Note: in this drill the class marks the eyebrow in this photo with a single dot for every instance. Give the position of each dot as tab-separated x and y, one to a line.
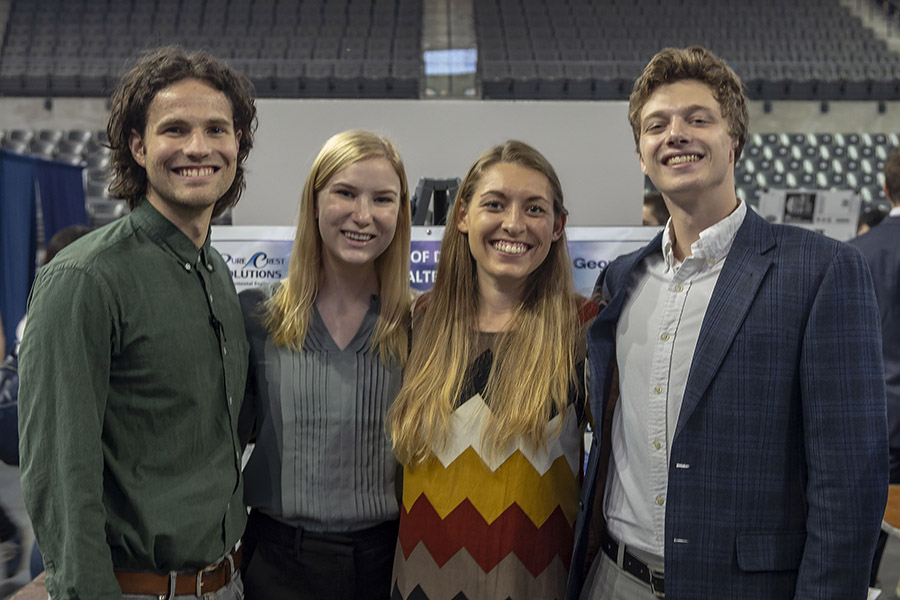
689	109
345	184
176	120
503	195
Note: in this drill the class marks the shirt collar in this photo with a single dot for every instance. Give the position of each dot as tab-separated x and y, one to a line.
895	212
169	237
714	243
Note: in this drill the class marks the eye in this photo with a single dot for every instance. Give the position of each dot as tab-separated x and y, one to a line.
174	130
384	199
492	204
536	209
343	192
217	130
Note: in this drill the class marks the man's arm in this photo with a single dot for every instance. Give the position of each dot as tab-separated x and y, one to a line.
64	379
845	431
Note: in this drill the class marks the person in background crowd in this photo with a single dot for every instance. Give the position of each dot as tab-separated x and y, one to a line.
488	424
737	387
134	359
327	348
10	534
882	251
655	213
869	218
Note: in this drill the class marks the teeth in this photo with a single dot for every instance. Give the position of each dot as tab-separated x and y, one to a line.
684	158
196	172
511	247
359	237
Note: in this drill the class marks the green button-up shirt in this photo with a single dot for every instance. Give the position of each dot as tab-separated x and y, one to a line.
132	371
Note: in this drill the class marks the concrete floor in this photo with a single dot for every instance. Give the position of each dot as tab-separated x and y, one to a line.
11	499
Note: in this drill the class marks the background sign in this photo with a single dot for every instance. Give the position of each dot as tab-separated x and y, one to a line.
256	255
831	212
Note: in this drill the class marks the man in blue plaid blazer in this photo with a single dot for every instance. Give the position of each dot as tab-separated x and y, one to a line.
736	381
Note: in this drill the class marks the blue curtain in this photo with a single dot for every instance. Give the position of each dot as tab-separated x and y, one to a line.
18	242
61	187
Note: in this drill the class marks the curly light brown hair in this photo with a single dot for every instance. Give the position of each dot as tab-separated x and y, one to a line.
154	71
699	64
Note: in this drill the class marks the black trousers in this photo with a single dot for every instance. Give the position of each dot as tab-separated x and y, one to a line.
7	527
282	562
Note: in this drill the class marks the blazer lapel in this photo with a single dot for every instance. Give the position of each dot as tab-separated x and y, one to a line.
745	267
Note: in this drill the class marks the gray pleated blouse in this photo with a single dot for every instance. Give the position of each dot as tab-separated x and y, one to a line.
322	460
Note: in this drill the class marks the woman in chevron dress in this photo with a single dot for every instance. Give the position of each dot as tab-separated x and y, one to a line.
488	423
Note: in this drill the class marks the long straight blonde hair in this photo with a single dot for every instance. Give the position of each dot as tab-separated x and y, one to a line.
534	361
286	314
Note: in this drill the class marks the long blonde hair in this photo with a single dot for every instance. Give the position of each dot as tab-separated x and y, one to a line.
287	312
534	361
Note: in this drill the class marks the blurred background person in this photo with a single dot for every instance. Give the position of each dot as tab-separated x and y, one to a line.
881	248
655	212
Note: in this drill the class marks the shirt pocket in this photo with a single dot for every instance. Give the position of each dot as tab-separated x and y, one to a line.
770	551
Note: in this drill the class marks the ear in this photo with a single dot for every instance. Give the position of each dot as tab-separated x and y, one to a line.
461	223
559	226
643	166
237	136
136	144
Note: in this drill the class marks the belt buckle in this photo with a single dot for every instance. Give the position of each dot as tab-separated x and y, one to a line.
205	570
654	577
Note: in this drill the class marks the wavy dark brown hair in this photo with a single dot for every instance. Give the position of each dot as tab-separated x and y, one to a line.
154	71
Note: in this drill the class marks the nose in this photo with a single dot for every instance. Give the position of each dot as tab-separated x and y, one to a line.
197	145
362	214
677	131
513	220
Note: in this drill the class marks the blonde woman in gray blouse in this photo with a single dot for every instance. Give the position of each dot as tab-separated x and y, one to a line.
327	347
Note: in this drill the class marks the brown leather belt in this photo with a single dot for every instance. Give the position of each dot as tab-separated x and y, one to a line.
205	581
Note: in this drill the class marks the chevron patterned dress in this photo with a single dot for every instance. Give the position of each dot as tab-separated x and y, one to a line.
479	526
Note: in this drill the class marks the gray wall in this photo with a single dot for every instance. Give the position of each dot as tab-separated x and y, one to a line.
588	143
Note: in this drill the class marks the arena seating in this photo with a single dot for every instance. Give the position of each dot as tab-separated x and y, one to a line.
815	161
314	48
583	49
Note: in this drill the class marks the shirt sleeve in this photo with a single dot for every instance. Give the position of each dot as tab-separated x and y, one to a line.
64	381
845	431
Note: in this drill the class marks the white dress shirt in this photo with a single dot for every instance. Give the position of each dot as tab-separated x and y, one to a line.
655	340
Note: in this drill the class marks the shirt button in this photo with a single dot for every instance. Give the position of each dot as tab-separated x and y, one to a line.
229	400
710	261
660	500
210	298
657	444
187	266
664	337
657	389
209	267
679	288
224	351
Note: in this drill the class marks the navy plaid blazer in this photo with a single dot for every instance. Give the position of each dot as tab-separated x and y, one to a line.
778	472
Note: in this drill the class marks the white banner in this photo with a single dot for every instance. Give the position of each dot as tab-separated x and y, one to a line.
256	255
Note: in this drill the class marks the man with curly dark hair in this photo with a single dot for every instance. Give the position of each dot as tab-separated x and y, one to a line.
133	364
